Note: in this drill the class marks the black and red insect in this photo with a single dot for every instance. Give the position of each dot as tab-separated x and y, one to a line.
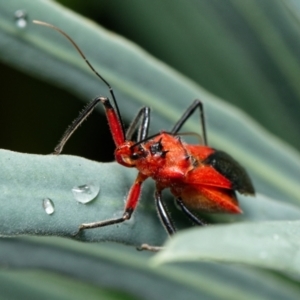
200	177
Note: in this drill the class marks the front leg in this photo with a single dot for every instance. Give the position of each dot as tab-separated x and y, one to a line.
131	203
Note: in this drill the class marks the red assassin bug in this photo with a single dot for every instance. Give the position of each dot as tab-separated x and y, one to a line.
200	177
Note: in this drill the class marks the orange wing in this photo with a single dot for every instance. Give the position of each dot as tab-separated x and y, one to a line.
205	189
208	198
207	175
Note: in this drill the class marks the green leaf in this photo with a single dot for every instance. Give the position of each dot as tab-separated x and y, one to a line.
23	284
48	47
56	55
29	179
138	79
272	245
128	271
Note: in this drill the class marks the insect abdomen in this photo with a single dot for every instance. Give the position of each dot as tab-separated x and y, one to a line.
232	170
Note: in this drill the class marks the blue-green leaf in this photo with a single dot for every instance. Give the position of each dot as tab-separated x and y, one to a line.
272	245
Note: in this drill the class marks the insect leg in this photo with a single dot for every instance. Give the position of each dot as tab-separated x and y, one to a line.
113	121
189	214
131	203
76	123
144	116
113	114
197	103
163	214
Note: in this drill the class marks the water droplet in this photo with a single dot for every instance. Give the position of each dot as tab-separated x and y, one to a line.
21	18
85	193
48	206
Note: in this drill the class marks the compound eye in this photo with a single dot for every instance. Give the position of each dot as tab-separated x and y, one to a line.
134	156
156	148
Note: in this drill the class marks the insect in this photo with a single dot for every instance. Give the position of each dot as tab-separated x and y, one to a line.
200	177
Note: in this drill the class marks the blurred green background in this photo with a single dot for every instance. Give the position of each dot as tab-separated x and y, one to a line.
246	52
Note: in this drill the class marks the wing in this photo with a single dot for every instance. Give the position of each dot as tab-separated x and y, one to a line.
206	175
220	170
232	170
209	199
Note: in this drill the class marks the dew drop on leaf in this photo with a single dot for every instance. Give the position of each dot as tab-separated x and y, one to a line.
48	206
85	193
21	18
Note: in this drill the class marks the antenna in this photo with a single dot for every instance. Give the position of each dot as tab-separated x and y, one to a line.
88	63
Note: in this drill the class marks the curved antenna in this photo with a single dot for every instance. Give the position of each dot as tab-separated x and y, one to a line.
88	63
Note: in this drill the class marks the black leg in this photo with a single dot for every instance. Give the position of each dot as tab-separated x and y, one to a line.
189	214
120	131
76	123
187	114
144	116
126	216
162	212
